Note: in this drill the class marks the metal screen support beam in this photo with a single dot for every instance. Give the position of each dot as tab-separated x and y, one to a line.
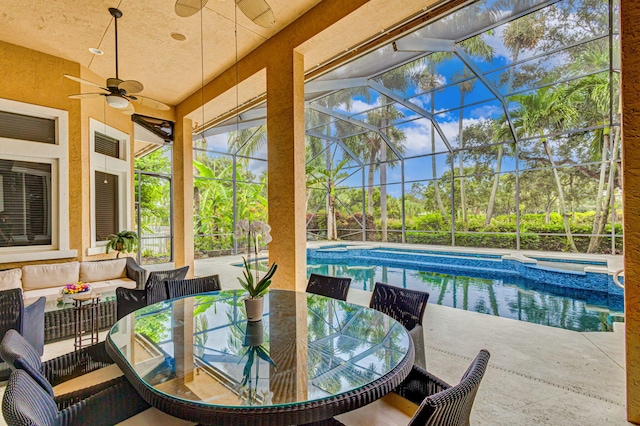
409	105
337	141
468	61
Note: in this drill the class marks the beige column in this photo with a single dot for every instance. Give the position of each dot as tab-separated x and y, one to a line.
183	195
630	44
286	158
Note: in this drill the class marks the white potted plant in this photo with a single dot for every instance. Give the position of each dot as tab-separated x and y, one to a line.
255	286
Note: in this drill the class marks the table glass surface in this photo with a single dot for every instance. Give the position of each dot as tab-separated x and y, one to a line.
55	302
306	348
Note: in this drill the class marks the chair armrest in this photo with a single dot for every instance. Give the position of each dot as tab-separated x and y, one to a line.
107	407
68	399
417	335
77	363
420	384
136	273
33	324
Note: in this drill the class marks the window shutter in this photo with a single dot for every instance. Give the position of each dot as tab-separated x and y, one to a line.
106	205
107	145
27	128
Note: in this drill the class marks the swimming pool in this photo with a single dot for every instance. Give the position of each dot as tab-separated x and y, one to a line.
526	290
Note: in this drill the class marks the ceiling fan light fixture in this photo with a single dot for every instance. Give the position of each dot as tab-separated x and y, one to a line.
117	102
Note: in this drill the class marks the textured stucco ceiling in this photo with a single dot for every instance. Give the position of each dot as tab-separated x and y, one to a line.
169	69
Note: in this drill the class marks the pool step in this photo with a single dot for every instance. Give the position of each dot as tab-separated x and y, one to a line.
447	268
441	259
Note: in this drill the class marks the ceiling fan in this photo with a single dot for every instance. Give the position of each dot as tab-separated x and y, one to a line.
258	11
118	93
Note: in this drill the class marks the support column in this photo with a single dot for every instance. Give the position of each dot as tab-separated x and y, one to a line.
286	159
630	47
183	196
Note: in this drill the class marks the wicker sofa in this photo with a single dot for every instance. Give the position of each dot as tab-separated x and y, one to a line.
47	280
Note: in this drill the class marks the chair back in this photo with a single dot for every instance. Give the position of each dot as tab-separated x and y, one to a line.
181	288
11	310
452	407
404	305
129	300
20	355
334	287
25	403
155	287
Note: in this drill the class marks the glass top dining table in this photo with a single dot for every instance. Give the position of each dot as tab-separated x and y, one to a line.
309	358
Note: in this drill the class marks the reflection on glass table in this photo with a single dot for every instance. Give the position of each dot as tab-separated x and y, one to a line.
201	353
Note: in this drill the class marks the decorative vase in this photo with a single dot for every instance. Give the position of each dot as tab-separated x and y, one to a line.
254	334
254	308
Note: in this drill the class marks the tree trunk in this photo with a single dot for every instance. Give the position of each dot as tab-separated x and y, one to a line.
594	242
463	194
372	159
436	188
494	188
563	207
328	207
383	176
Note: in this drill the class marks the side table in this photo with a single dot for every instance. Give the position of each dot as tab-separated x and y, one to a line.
85	307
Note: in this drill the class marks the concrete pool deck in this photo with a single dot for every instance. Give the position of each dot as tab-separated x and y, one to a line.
537	375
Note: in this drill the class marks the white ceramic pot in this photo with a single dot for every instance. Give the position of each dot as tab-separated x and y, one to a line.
254	308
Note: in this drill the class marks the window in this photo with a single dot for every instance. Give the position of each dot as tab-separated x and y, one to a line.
110	178
34	202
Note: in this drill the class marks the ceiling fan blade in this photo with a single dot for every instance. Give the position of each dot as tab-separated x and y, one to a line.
87	82
85	95
131	86
258	11
186	8
129	110
151	103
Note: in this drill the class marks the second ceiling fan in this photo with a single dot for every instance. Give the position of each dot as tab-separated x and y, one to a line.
118	93
258	11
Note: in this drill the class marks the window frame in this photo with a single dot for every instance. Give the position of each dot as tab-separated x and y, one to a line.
57	155
115	166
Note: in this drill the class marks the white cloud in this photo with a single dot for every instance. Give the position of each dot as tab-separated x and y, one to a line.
218	142
487	111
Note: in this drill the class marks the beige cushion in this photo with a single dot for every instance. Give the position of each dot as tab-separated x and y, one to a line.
113	284
53	293
103	270
391	410
87	380
153	416
11	279
53	275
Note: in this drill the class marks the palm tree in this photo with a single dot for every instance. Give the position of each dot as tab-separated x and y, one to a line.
476	46
537	113
330	176
429	80
594	97
247	142
398	79
521	34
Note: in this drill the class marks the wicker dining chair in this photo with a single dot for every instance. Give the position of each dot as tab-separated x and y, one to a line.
155	290
438	403
188	287
324	285
26	320
20	355
26	403
407	307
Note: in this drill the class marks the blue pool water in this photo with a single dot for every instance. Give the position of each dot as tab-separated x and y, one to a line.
541	294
